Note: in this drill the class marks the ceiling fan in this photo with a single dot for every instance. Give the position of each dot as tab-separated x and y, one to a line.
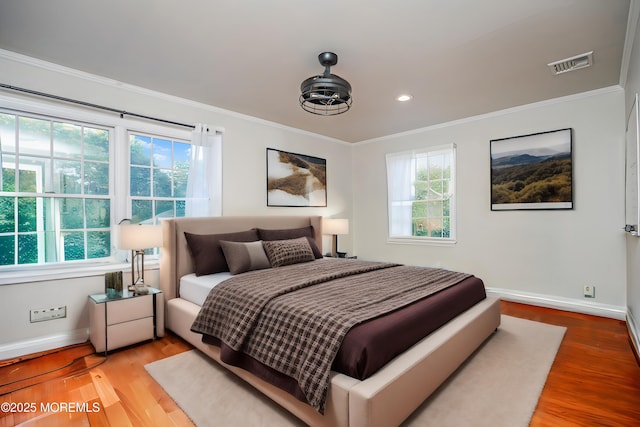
326	94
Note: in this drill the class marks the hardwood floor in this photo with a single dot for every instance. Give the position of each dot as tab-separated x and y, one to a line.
595	378
594	381
117	391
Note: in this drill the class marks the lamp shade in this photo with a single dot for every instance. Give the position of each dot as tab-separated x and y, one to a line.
335	226
136	236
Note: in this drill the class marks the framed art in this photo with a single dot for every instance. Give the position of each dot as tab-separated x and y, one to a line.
295	179
532	171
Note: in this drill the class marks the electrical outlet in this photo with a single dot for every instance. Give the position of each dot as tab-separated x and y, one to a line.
589	291
40	315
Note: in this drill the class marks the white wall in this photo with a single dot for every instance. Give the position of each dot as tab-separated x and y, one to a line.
244	187
542	256
546	256
632	87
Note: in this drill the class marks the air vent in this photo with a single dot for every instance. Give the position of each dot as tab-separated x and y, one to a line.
571	64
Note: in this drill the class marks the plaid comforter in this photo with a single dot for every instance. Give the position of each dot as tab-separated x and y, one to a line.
294	318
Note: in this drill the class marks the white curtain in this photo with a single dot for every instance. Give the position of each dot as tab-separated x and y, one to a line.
204	186
400	176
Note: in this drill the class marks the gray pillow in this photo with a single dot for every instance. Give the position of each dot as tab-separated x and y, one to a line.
243	257
207	252
286	252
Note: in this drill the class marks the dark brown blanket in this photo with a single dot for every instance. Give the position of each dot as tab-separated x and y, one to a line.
294	318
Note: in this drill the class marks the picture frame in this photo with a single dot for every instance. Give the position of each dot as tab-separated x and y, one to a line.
113	283
295	180
532	172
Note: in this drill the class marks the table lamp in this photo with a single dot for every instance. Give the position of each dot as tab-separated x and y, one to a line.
335	227
137	238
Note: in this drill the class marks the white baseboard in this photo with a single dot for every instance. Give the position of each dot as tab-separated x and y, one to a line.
49	342
560	303
634	332
35	345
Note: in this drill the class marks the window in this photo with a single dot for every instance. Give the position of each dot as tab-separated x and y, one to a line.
65	182
55	196
421	194
158	173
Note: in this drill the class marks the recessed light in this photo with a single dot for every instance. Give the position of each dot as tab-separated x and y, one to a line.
404	98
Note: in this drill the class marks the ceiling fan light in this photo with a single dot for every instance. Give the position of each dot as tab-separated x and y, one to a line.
326	94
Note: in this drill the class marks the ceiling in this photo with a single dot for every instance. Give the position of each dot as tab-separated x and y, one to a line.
458	58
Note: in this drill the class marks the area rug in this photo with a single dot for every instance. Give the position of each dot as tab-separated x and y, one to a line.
499	385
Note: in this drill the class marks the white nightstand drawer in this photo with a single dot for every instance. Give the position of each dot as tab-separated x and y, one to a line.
125	320
128	333
129	309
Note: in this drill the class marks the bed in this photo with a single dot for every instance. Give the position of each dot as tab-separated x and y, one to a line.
384	398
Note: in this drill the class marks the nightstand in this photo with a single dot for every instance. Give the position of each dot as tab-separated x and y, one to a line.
342	257
125	319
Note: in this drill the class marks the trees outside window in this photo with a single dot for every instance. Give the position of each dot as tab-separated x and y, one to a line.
55	198
159	168
421	194
59	183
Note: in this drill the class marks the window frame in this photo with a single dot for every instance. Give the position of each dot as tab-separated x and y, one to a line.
398	238
119	184
153	198
46	194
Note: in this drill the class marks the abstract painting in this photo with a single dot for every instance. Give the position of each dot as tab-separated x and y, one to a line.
295	179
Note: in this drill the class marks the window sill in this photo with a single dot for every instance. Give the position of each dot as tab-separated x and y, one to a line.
45	274
421	241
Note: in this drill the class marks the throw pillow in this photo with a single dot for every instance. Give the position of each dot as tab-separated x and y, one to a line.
291	233
287	252
243	257
207	253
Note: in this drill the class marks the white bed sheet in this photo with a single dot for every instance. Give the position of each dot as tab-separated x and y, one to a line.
196	288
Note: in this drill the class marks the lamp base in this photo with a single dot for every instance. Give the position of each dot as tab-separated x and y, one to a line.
141	288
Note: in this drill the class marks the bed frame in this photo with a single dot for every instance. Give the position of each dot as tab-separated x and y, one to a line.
384	399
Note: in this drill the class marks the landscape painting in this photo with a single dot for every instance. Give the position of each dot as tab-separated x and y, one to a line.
532	171
295	179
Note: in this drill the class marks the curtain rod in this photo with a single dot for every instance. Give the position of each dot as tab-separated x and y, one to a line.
88	104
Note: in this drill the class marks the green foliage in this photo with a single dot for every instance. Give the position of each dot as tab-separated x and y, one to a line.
139	150
180	179
43	222
96	144
27	214
431	207
8	180
73	245
140	181
98	244
77	226
141	210
162	186
7	215
27	248
7	250
96	178
549	181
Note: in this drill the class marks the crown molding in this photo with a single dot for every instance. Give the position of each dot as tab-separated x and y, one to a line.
499	113
104	81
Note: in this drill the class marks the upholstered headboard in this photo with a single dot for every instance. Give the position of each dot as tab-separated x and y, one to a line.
176	260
